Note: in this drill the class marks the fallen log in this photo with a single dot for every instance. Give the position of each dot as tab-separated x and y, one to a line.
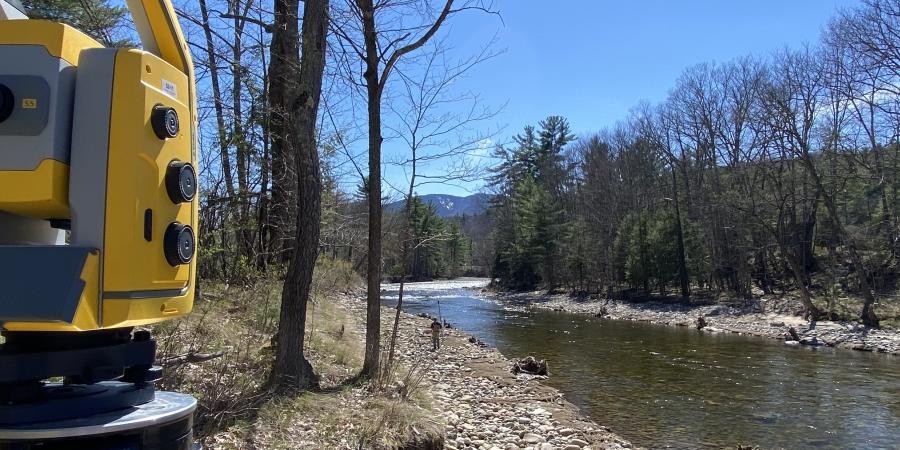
192	357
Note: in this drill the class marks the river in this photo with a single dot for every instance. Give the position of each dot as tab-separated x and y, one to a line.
673	387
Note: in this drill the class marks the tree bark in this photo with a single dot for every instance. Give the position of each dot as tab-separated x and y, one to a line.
303	87
373	192
284	50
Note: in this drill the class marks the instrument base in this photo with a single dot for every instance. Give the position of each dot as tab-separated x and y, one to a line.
165	423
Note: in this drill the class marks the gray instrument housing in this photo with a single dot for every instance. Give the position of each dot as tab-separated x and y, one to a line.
30	136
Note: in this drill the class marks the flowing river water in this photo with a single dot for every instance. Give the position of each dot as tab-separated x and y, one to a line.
673	387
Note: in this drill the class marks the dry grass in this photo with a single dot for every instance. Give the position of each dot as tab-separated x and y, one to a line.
238	322
237	412
396	423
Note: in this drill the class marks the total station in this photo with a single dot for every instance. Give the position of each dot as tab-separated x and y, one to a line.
98	223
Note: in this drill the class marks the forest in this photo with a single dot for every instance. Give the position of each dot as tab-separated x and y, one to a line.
756	175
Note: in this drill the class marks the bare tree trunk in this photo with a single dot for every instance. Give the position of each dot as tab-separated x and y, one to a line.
217	101
303	89
405	242
679	236
867	315
263	217
812	311
373	192
375	77
242	234
284	177
397	312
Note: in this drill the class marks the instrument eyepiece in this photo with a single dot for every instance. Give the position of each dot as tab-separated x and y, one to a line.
7	102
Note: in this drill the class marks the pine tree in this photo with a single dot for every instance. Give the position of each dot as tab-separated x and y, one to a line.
98	18
532	182
457	249
428	233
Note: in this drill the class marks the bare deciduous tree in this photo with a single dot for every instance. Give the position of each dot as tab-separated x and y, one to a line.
380	46
296	87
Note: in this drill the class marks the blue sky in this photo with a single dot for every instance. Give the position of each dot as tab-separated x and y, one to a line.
592	61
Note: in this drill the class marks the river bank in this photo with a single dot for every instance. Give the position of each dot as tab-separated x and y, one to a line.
481	404
460	397
718	318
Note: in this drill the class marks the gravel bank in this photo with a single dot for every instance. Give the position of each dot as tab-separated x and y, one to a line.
482	405
718	318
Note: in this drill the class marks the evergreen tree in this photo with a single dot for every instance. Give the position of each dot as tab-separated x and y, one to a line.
457	250
428	233
100	19
531	182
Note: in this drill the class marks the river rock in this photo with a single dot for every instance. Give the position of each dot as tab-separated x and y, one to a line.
496	411
811	341
721	310
530	365
578	442
709	329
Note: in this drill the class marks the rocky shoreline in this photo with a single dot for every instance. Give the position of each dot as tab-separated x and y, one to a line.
481	403
718	318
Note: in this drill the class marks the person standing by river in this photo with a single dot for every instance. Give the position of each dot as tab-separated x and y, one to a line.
435	334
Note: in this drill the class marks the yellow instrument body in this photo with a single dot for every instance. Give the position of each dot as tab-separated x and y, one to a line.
42	191
111	184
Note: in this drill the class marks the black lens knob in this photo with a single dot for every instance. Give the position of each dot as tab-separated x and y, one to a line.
178	244
181	181
7	102
164	121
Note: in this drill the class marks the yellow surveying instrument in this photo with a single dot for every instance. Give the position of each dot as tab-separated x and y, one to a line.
98	213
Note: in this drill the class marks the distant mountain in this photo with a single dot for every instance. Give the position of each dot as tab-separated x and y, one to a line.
450	205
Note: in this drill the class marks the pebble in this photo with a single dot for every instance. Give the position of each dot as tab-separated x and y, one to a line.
485	412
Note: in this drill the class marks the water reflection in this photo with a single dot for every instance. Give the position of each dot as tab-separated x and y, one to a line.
668	387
